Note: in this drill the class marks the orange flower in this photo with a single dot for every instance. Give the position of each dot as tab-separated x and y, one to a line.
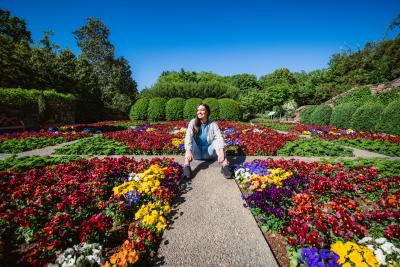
133	256
106	264
126	245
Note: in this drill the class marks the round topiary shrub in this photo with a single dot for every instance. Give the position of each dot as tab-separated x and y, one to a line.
321	115
341	115
367	116
390	119
229	109
174	109
189	111
214	107
156	110
306	114
139	109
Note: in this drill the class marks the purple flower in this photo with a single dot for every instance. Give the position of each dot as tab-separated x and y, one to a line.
315	257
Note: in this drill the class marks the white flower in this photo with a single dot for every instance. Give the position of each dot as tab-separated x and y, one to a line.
241	174
380	257
380	240
133	177
371	247
256	130
364	240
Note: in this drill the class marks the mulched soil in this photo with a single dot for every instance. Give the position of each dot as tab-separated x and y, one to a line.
277	243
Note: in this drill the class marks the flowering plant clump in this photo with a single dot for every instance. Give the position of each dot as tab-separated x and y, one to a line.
84	254
385	252
333	133
352	254
318	257
319	204
126	256
168	138
153	215
52	209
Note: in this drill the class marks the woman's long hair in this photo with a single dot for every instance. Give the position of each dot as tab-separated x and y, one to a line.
197	121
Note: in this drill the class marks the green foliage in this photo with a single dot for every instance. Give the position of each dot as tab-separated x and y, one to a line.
390	119
305	116
309	147
23	163
21	97
156	110
278	126
388	96
358	96
174	109
253	101
229	109
20	145
366	117
321	115
279	76
385	167
214	107
244	82
189	111
201	89
341	114
268	222
94	146
139	109
385	148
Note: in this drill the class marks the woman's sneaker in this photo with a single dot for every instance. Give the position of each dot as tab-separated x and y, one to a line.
187	172
226	171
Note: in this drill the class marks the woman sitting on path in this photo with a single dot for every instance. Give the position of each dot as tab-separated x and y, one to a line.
204	141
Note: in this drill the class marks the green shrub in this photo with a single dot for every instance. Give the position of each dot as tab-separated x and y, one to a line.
359	96
229	109
174	109
306	114
366	117
21	164
388	97
309	147
214	107
139	109
321	115
390	119
341	115
156	110
21	97
189	111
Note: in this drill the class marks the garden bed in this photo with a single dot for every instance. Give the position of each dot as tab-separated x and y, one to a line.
324	212
46	210
26	141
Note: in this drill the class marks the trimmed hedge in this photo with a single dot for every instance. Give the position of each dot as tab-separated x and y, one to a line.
156	110
214	107
20	97
367	116
306	114
229	109
341	115
174	109
189	111
321	115
139	109
390	119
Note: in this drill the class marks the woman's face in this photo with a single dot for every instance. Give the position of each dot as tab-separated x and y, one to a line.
202	113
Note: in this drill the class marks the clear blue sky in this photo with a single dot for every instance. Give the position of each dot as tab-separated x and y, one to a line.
225	37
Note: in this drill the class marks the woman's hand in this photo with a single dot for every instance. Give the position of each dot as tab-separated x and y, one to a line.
189	156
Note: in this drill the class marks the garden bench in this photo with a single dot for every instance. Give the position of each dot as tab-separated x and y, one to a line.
11	123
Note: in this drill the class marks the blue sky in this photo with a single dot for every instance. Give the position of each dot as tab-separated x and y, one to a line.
225	37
